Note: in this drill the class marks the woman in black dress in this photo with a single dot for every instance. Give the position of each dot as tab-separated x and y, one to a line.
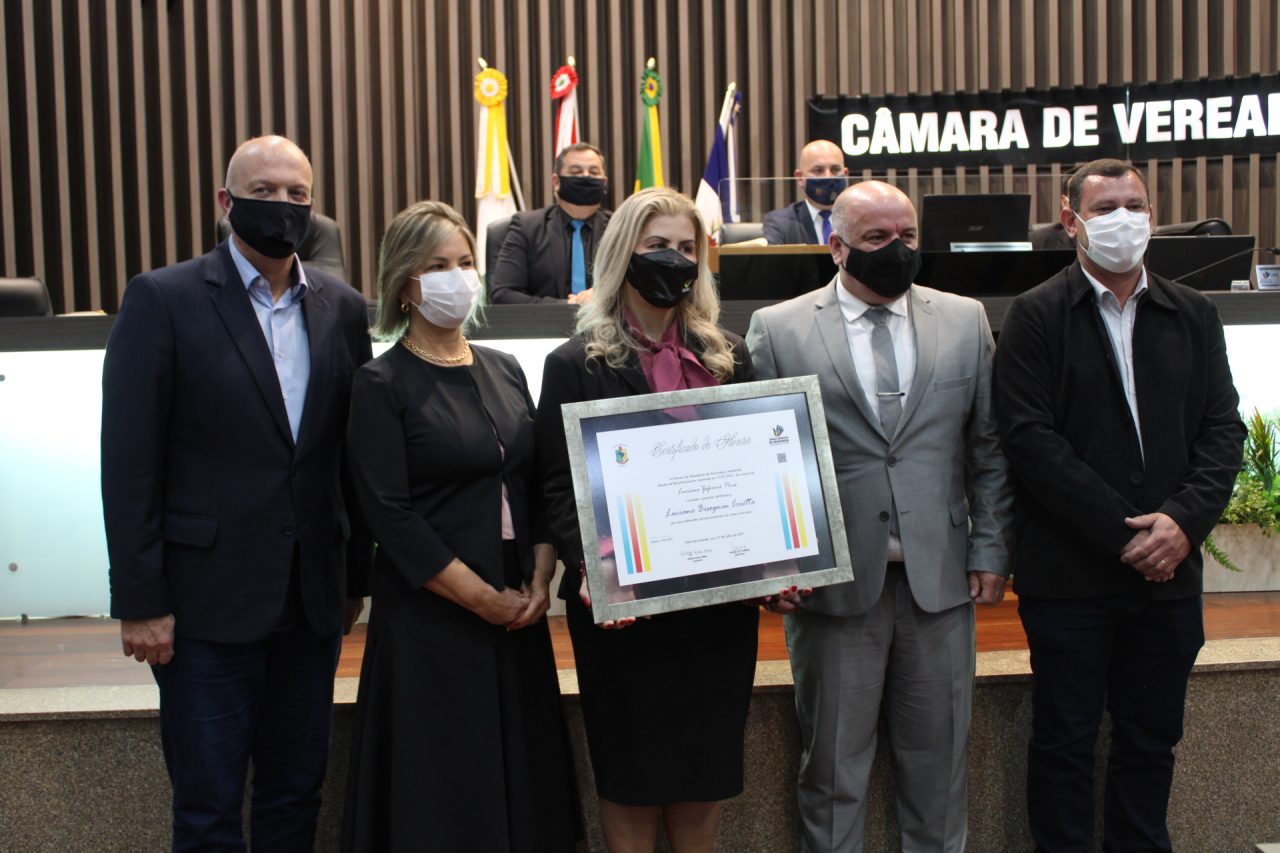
665	700
459	743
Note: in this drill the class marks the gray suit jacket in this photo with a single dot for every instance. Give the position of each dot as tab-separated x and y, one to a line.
943	465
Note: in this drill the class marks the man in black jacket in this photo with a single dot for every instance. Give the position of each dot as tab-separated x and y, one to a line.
1119	418
548	253
234	571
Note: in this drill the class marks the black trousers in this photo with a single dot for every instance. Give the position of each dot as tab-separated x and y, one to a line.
1132	656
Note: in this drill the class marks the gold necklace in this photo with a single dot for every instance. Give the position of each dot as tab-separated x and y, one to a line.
437	359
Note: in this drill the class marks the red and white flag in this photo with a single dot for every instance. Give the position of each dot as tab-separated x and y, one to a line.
564	85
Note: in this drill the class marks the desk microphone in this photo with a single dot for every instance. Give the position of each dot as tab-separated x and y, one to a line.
1272	249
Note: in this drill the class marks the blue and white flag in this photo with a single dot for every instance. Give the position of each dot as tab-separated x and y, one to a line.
717	197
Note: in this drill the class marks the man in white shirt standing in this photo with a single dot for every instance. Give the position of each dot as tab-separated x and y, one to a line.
1118	415
823	176
905	373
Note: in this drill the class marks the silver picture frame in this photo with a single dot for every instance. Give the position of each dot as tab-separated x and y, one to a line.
801	398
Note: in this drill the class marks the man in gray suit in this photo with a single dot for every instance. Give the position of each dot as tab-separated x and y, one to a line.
905	373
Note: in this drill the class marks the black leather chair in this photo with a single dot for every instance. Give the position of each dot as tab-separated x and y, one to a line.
321	249
495	233
24	297
1215	227
740	232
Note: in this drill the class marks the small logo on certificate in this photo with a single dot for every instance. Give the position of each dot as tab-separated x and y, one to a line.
778	435
620	454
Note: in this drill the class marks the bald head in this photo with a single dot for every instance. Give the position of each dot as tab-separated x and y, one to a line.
821	173
876	202
270	164
821	158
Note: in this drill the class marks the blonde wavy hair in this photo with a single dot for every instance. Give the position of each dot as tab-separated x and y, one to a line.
414	237
600	321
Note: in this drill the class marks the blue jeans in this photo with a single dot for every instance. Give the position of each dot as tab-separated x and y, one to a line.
1132	656
224	706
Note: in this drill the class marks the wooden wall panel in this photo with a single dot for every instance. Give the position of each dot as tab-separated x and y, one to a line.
118	117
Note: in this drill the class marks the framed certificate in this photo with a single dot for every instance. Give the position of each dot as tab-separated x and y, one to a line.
689	498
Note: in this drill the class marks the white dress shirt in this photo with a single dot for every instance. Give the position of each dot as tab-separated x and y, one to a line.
858	328
1119	325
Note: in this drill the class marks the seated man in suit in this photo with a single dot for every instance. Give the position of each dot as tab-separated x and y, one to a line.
234	571
1055	236
822	175
548	253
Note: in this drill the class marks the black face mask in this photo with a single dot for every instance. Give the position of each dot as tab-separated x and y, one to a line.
581	189
888	270
274	228
825	190
663	278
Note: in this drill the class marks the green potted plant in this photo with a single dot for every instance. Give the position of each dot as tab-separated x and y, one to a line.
1243	538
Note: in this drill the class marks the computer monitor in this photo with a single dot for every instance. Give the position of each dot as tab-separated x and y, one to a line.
973	218
1203	262
765	274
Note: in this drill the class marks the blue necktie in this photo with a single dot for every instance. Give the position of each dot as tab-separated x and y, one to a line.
826	226
578	259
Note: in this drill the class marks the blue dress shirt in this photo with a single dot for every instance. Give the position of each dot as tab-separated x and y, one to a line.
285	328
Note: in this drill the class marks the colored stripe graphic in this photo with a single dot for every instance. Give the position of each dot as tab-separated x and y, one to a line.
791	511
799	515
782	511
644	539
626	540
631	527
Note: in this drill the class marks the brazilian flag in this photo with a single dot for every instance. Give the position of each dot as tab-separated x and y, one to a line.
649	171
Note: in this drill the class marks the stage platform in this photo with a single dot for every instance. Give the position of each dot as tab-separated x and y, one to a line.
79	742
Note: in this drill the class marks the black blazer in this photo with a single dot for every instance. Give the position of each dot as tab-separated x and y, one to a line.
790	226
429	471
567	377
1071	442
533	265
205	494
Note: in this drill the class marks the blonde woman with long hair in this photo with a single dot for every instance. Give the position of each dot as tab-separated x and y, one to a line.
665	700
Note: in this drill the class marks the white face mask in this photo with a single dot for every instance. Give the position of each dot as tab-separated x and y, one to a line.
448	296
1117	240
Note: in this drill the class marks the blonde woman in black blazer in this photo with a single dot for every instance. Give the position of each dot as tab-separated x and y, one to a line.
665	700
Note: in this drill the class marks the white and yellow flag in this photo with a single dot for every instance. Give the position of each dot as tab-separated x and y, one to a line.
498	193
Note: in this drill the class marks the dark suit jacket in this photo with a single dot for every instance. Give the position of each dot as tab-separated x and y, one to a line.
428	470
567	377
534	264
1073	448
205	494
1051	237
789	226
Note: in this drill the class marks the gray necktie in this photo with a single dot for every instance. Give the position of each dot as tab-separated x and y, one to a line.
888	393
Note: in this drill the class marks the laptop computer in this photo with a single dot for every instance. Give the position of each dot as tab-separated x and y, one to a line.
1205	262
973	218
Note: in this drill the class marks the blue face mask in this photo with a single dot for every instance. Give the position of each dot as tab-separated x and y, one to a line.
824	190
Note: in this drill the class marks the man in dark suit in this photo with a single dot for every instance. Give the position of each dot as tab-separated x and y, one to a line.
233	568
822	175
548	253
1118	416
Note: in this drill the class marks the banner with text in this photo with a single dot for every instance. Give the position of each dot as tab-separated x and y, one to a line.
1154	121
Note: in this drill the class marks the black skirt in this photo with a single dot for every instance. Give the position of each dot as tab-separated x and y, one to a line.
665	702
459	741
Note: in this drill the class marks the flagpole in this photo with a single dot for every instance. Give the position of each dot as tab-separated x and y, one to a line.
516	190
